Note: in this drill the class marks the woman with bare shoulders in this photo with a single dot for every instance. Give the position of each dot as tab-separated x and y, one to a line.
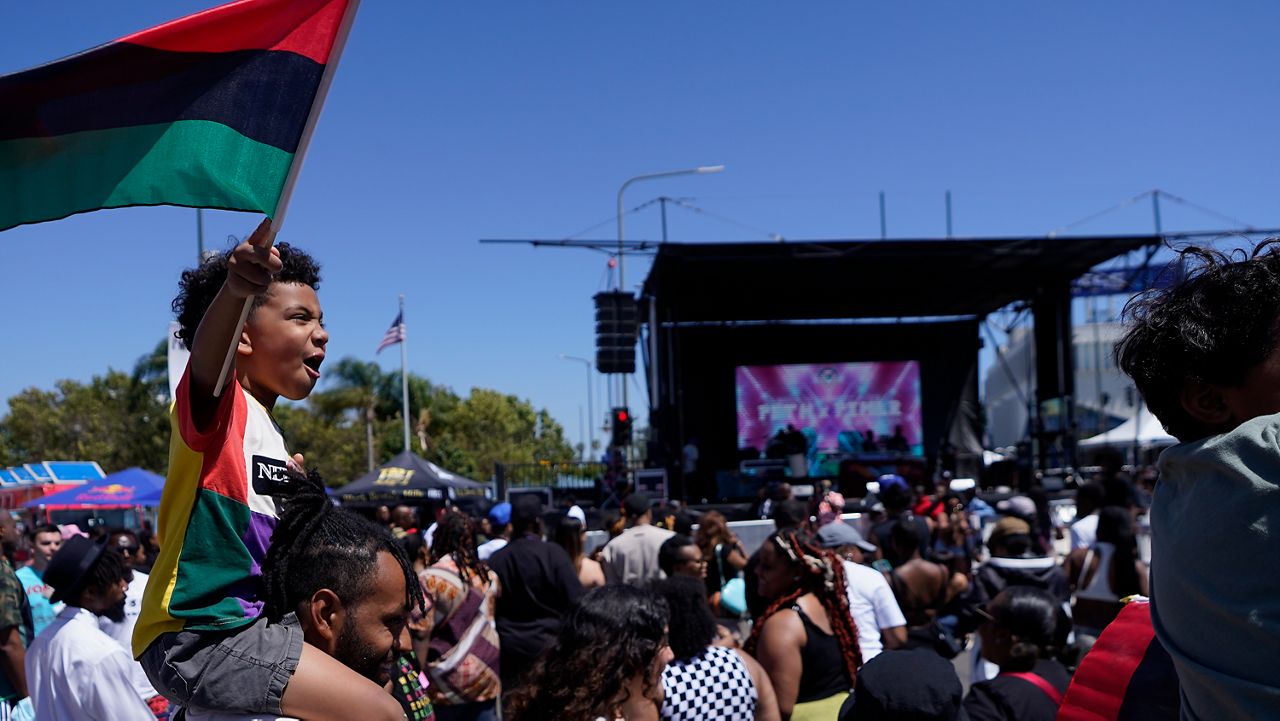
806	639
571	535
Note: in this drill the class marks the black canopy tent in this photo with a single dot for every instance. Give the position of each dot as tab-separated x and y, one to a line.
407	478
708	307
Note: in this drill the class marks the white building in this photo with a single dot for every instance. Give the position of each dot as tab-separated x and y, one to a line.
1104	395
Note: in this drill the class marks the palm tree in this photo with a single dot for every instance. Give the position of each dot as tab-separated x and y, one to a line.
357	388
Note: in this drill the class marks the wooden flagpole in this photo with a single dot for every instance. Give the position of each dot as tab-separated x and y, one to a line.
286	193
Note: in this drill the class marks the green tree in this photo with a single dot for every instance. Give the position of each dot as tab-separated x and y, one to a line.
333	447
489	427
112	420
122	420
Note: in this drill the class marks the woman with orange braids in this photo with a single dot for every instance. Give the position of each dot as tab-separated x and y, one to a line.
806	639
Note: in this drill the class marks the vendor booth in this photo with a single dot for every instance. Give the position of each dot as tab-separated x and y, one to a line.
122	499
409	479
20	484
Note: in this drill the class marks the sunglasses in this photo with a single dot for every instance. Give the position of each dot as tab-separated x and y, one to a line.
128	550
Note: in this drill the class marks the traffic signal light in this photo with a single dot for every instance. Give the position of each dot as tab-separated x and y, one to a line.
621	425
616	318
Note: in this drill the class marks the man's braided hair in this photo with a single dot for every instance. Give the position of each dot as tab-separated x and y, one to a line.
318	545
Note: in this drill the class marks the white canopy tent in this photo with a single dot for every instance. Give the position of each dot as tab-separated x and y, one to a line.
1144	430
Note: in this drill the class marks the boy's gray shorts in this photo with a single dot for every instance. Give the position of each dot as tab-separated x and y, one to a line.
241	671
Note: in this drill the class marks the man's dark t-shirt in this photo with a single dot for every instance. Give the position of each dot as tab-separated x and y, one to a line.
538	586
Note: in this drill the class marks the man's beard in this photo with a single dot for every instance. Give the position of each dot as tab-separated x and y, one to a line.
116	612
359	656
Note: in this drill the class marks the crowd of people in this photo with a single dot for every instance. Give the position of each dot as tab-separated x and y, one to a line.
506	611
906	600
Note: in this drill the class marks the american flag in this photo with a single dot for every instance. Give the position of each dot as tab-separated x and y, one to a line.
395	334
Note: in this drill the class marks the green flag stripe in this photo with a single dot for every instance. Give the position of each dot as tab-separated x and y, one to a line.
194	163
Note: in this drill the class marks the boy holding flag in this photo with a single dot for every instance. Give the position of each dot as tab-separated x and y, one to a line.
201	636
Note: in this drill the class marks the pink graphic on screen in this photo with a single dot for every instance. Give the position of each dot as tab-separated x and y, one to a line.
833	404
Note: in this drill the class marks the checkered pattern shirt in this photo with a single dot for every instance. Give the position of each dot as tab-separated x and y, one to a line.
715	685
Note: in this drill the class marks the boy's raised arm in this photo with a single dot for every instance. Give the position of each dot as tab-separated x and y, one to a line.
249	272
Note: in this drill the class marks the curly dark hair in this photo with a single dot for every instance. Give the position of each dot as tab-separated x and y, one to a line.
198	286
691	627
1220	321
456	535
319	545
610	636
821	573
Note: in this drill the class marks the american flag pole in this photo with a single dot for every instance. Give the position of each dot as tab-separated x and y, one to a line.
404	374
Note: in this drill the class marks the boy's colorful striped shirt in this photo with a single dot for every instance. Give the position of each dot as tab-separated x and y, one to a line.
214	527
204	111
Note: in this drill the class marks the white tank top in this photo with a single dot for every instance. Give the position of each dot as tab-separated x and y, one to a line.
1099	588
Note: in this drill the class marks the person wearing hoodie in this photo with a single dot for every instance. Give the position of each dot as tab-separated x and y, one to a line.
1012	563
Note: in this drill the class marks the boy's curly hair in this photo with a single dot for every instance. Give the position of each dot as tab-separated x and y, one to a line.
199	285
1220	321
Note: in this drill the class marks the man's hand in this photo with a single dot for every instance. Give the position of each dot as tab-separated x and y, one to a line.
252	264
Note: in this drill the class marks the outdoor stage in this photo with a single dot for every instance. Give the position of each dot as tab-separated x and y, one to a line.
711	309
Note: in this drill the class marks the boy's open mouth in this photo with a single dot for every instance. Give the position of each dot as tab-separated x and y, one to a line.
313	364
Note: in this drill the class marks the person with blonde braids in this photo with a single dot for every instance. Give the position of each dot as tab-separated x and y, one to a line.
806	639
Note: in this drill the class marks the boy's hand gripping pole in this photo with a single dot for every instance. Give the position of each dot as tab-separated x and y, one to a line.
268	240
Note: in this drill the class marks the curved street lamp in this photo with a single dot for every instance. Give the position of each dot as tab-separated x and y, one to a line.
700	170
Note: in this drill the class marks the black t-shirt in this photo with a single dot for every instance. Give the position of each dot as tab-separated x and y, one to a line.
1008	698
538	586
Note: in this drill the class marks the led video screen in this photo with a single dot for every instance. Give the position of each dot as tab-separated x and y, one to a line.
834	406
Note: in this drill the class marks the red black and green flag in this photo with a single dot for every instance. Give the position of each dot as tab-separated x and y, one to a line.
206	111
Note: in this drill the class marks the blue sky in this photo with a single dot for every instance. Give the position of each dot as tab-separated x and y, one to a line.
454	121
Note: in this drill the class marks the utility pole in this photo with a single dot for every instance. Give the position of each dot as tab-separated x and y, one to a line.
884	232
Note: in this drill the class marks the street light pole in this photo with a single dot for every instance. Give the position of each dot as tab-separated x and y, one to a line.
700	170
591	414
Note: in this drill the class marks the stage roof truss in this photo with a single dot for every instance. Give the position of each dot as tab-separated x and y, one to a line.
856	279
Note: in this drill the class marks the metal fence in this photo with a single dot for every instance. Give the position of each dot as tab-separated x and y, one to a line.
560	476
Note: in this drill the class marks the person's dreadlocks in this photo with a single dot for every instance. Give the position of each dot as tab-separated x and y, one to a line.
318	545
456	536
822	574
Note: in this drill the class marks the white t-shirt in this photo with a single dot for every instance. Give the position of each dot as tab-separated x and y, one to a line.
488	548
873	607
1084	531
123	632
